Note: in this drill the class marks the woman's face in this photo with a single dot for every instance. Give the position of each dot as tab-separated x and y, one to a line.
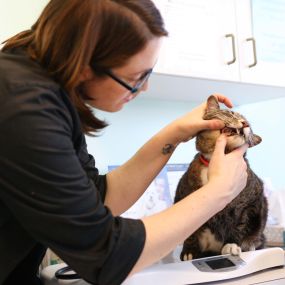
105	94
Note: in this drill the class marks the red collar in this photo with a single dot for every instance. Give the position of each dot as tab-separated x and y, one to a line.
204	160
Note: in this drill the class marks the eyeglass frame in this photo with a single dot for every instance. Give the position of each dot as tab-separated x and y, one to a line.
134	89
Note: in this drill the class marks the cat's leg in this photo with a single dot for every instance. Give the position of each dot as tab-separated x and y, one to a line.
187	256
190	249
186	252
248	245
231	248
253	243
251	248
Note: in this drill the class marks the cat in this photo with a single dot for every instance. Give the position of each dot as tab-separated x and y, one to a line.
239	226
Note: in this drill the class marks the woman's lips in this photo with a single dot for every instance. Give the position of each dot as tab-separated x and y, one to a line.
129	98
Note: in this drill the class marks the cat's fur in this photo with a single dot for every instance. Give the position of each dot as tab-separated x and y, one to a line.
239	226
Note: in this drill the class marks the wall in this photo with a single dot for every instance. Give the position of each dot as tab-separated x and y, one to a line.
17	15
267	120
143	117
130	128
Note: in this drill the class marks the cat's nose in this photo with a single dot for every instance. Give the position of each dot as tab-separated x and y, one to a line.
245	124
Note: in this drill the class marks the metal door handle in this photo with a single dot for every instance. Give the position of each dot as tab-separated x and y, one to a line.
254	52
233	48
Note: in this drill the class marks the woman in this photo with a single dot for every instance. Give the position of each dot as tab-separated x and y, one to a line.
99	54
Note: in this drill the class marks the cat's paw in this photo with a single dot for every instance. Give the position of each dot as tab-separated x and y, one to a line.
231	248
187	256
252	248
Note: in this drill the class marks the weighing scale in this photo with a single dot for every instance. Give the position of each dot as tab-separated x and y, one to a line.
210	269
197	271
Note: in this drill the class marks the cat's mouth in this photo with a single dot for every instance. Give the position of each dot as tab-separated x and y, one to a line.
244	132
232	131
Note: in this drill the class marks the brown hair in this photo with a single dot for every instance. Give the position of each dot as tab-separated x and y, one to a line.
71	34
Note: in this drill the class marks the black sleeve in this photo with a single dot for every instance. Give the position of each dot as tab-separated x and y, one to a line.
46	187
88	164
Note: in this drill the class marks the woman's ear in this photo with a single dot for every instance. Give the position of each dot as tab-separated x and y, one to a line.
86	74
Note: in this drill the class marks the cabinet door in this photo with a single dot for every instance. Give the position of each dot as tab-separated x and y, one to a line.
201	41
261	21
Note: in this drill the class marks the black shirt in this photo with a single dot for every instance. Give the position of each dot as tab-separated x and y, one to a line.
51	194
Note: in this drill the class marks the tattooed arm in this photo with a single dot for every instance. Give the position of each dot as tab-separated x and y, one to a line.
167	229
129	181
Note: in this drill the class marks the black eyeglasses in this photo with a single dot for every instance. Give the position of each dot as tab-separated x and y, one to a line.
141	81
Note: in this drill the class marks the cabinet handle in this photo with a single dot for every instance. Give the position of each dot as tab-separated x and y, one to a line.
254	52
233	48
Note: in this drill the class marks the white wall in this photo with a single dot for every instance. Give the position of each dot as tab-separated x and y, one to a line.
267	119
130	128
18	15
143	117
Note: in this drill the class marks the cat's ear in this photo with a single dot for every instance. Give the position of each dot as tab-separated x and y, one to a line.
255	140
212	104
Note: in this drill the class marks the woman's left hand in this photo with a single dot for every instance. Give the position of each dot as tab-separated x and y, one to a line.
190	124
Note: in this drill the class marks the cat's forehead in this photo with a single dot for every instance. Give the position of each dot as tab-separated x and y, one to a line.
225	114
232	114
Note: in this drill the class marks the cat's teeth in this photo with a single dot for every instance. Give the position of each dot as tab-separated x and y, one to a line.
246	132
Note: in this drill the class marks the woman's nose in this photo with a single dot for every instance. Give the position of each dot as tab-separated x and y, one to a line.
145	86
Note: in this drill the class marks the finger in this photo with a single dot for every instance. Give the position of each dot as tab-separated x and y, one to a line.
241	150
223	99
215	124
220	146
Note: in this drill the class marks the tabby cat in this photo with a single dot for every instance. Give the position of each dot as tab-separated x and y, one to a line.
239	226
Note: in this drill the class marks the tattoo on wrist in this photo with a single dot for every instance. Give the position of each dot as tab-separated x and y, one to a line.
168	148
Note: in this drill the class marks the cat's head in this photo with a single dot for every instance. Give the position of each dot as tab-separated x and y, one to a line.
237	129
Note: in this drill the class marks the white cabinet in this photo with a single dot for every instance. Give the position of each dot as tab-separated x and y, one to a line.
224	40
263	21
201	39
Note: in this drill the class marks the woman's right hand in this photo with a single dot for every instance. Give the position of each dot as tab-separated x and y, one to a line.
228	171
187	126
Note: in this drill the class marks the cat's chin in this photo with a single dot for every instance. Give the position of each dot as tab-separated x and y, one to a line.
234	143
253	141
228	150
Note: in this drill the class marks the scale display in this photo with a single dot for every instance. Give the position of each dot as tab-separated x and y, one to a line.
218	263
